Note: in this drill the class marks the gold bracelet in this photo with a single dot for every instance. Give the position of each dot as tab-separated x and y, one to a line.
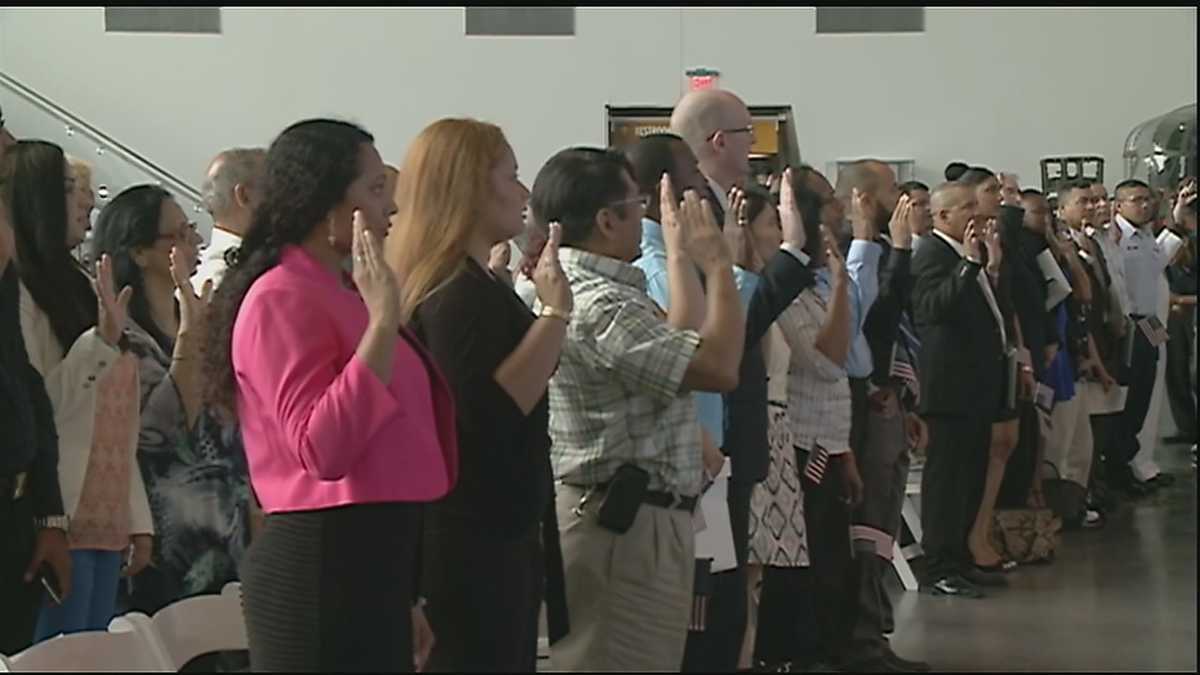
548	311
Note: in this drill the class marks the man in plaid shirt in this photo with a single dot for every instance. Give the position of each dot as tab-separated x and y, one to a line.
621	396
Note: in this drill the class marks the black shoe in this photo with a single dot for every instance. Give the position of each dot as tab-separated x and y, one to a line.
979	577
955	586
1135	488
903	664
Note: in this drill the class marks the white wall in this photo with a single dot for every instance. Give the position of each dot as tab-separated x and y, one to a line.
999	86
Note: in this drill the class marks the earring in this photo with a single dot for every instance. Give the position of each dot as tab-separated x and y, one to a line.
332	236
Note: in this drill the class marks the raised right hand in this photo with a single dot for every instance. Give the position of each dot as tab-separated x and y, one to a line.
193	309
1186	196
900	226
860	215
374	278
833	256
736	238
703	241
551	283
113	308
973	241
790	219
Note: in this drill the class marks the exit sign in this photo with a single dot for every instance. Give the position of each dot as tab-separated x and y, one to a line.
702	78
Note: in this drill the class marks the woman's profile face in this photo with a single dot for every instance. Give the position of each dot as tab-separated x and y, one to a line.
369	194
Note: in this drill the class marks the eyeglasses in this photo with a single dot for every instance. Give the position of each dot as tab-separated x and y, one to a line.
748	129
642	200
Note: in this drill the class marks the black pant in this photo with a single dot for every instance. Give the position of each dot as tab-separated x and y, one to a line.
18	600
951	489
834	569
1142	376
484	593
1181	326
787	618
717	648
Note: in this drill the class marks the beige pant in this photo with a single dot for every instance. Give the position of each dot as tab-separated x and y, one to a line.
1070	447
629	597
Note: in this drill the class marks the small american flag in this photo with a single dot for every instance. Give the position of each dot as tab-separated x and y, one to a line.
814	469
904	372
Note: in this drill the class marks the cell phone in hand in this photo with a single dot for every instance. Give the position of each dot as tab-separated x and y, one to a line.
50	582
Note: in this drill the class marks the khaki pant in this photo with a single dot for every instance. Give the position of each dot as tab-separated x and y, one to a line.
1069	447
629	597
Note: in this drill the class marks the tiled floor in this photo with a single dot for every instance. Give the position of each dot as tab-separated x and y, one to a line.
1119	599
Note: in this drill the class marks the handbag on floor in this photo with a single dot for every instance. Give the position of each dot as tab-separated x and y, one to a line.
1026	535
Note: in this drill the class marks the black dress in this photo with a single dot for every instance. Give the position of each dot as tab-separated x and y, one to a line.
491	546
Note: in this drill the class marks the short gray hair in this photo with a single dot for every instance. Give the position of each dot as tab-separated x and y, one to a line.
228	169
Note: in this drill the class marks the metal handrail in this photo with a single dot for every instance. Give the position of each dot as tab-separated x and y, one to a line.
110	143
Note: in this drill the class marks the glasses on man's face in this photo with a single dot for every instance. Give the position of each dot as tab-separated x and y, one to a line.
748	129
641	200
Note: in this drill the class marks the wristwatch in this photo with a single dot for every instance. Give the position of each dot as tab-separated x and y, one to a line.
548	311
52	523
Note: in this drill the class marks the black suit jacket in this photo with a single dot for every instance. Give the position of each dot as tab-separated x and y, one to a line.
961	360
783	278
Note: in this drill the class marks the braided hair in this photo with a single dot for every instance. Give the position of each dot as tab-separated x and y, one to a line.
309	168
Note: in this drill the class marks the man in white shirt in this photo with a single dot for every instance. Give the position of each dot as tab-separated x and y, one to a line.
230	195
1145	262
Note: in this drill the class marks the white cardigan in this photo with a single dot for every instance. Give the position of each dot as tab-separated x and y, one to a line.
70	382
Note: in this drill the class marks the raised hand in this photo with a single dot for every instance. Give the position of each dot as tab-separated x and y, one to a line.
833	256
113	308
1010	190
674	228
551	283
500	257
901	225
193	309
736	238
533	250
995	249
973	241
1185	198
376	282
703	242
790	219
861	212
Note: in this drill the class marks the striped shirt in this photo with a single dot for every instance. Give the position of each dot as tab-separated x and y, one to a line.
818	389
617	396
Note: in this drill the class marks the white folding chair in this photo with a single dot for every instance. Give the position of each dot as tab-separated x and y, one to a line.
901	556
200	625
121	648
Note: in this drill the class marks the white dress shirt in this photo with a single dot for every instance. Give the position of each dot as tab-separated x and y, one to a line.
1145	261
212	260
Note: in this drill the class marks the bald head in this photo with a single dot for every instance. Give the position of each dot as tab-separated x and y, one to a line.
229	187
952	205
716	126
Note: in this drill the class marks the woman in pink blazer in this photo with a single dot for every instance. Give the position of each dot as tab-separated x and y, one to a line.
347	424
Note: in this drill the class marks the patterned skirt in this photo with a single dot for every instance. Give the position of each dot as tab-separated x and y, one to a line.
777	528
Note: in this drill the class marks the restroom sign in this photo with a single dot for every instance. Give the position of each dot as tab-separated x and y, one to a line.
702	78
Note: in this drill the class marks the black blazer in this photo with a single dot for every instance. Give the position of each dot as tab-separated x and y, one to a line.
783	278
961	360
